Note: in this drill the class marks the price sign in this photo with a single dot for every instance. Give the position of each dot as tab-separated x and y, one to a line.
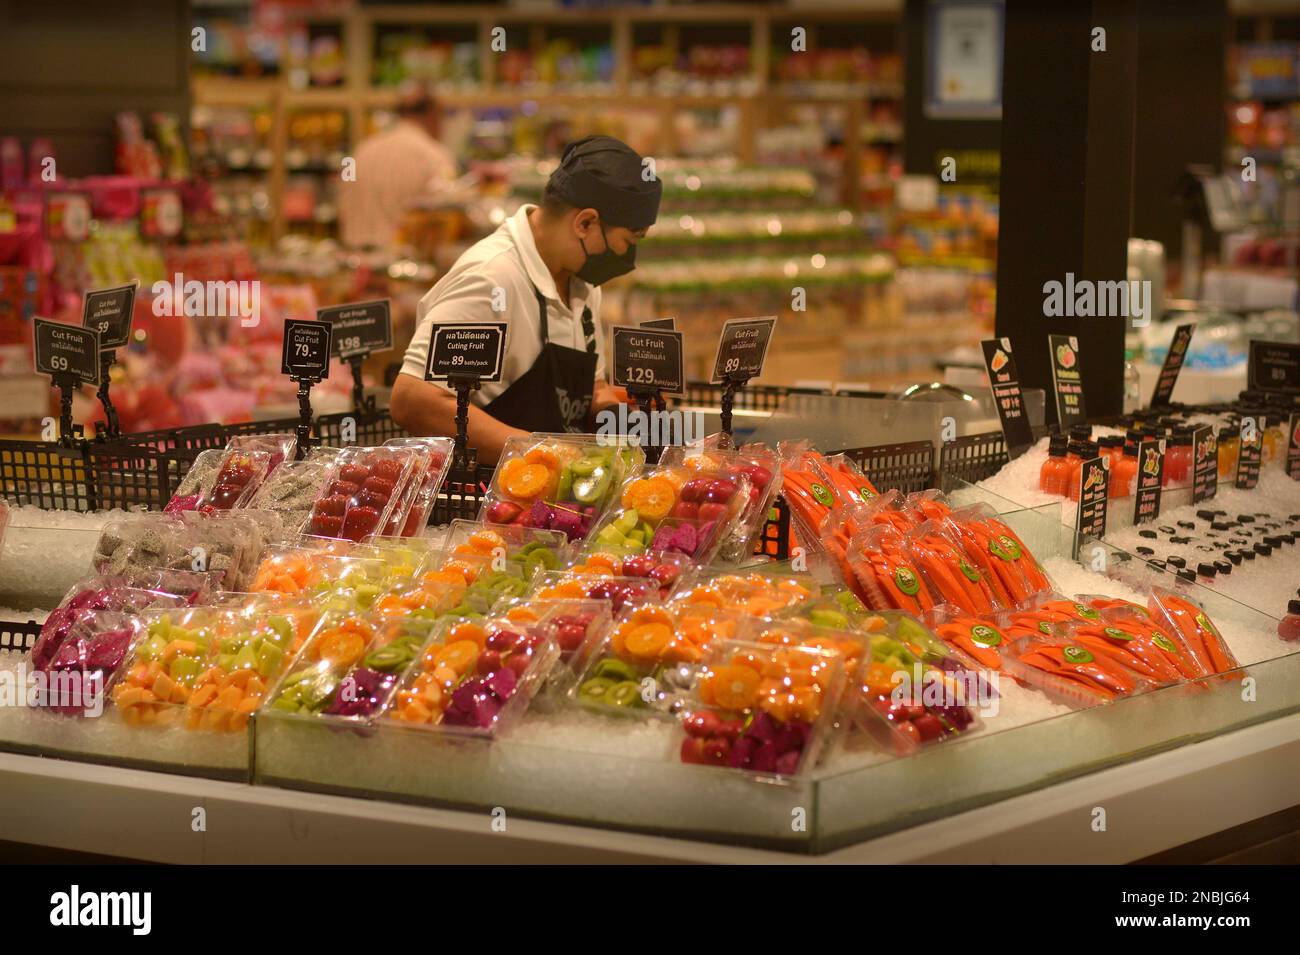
1094	486
742	347
67	216
466	350
1205	464
1173	365
1250	452
1274	366
306	350
648	359
1067	380
109	312
1150	478
161	214
1293	447
1010	401
66	351
359	329
662	323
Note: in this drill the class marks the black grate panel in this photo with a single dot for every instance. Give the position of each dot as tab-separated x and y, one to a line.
18	637
906	467
46	475
973	457
132	478
461	495
372	428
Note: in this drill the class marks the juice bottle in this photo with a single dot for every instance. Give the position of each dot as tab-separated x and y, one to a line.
1123	476
1288	628
1229	447
1178	457
1051	477
1084	451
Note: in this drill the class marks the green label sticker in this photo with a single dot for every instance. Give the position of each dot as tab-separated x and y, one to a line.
1045	627
823	495
905	577
985	636
1117	634
1164	643
865	493
1004	547
971	573
1087	613
1075	654
1203	622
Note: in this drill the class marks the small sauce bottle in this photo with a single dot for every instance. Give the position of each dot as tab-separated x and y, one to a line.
1051	477
1288	628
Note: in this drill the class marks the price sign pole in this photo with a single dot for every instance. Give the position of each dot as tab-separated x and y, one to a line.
306	360
359	330
742	349
70	356
109	312
648	363
463	355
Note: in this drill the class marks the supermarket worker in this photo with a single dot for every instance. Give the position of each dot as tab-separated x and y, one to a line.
540	272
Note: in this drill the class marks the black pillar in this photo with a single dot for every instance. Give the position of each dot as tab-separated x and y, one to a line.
1067	180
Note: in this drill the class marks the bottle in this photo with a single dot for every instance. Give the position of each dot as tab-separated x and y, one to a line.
1178	458
1084	451
1132	384
1288	628
1229	446
1123	476
1051	477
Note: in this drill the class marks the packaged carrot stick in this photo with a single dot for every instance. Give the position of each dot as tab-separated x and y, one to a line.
1069	670
1194	627
882	565
936	550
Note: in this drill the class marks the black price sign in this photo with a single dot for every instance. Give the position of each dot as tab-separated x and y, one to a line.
359	329
1205	464
1067	380
1094	489
1173	365
1005	381
306	350
1250	452
742	347
1293	447
66	351
466	350
648	359
109	312
667	324
1150	478
1274	366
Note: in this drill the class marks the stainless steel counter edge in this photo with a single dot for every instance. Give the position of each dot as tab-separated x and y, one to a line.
1150	805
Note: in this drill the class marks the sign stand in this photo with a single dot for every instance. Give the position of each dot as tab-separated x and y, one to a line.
304	414
732	384
109	312
69	433
462	456
306	360
357	330
653	400
361	403
114	428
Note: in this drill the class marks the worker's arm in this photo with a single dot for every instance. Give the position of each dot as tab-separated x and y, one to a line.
605	396
424	408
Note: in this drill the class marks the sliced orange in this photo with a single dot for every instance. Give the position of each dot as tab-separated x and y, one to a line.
468	630
652	498
733	687
648	640
341	648
485	542
459	655
525	481
544	456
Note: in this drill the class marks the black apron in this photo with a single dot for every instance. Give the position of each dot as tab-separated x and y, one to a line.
555	394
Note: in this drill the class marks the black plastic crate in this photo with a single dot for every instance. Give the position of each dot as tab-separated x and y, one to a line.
18	637
906	467
461	495
372	428
129	477
774	539
972	457
46	474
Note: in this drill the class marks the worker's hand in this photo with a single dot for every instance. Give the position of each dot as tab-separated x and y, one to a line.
605	396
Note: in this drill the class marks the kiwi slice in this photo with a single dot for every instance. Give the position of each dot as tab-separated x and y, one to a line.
625	694
595	689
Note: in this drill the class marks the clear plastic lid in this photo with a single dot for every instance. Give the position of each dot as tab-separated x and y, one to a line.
238	477
420	494
362	492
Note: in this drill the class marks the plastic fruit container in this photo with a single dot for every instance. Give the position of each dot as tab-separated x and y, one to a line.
752	593
669	571
474	544
650	658
291	489
1068	671
762	469
618	592
361	494
237	479
474	677
94	594
338	643
197	482
764	709
557	483
87	661
420	493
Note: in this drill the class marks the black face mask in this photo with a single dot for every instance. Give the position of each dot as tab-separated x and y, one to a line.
603	266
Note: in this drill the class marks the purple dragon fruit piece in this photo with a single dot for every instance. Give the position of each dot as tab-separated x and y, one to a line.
52	635
788	740
685	539
86	598
742	752
663	539
787	764
71	656
501	683
762	727
705	535
539	515
765	758
803	728
108	650
567	522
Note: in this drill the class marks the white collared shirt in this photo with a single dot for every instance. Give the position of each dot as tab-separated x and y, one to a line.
503	269
393	167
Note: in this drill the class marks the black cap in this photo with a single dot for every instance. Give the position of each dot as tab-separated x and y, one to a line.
1263	549
1205	515
1233	556
1223	567
1246	518
1187	575
1180	540
1145	551
1176	560
1206	570
1246	553
605	174
1149	535
1188	525
1221	525
1293	607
